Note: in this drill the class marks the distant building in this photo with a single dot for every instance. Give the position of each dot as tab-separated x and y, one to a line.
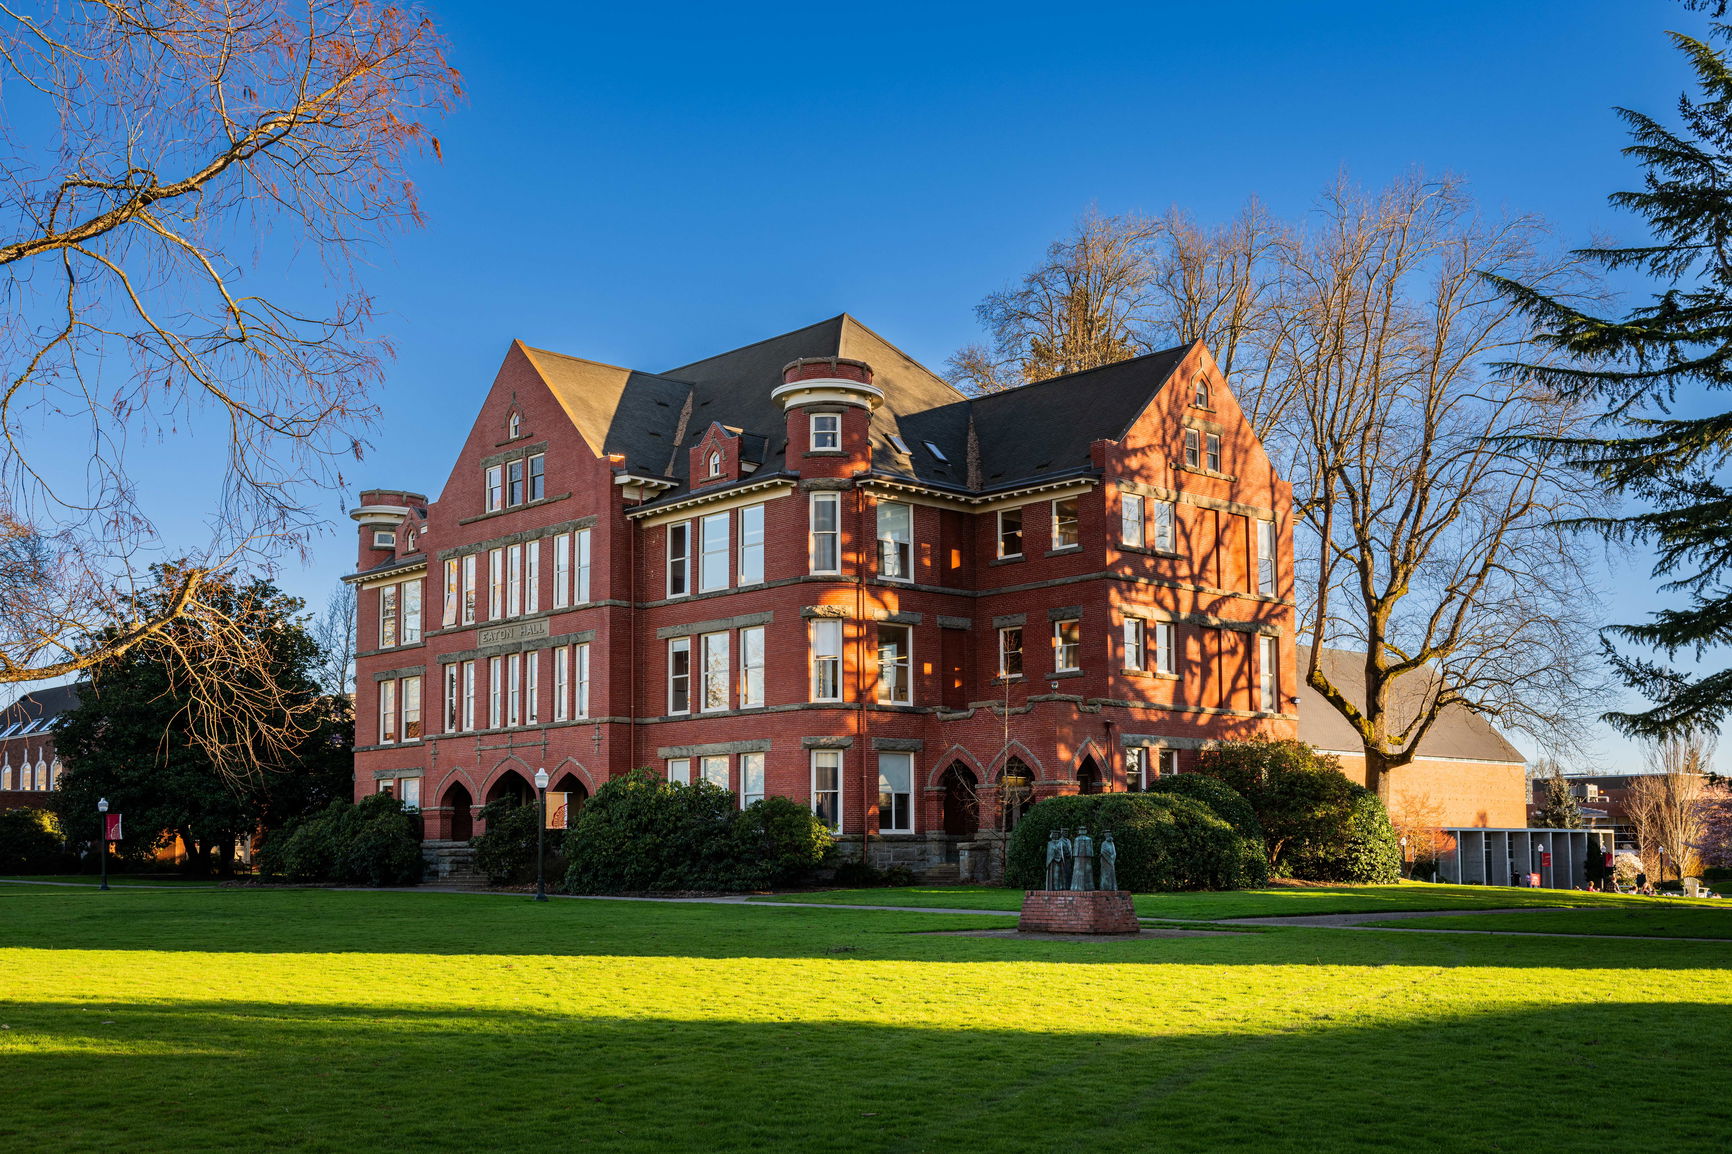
1466	773
811	567
1604	799
29	766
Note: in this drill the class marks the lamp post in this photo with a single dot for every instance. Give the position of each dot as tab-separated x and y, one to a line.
102	816
1404	866
541	836
1662	850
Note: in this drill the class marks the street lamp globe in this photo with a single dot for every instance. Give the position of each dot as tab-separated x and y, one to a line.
102	805
541	779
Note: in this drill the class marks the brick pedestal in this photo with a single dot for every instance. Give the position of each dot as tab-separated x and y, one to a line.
1078	912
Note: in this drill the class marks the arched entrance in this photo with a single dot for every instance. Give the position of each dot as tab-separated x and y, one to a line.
1015	792
961	805
1088	776
576	794
513	785
459	819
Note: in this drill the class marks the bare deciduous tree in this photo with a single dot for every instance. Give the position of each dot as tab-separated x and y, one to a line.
334	630
159	156
1362	344
1664	805
1080	309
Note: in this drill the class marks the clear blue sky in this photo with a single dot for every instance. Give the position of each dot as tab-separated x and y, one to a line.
647	185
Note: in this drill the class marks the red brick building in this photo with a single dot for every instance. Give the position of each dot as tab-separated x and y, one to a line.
810	567
29	766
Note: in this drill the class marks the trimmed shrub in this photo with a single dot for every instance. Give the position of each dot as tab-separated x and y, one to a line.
1165	841
31	842
640	834
1363	851
1217	795
373	842
506	852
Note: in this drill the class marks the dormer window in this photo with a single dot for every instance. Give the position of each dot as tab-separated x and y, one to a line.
826	431
1202	401
514	427
384	539
715	463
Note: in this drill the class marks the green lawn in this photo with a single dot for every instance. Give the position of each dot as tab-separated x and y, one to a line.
1658	919
1279	901
334	1021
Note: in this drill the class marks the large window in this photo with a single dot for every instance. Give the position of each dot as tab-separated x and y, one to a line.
469	587
825	546
561	683
1163	512
537	476
532	576
895	683
580	679
411	612
514	581
495	583
1135	657
514	482
495	476
1010	532
411	709
469	691
751	666
826	659
1010	652
1066	645
896	540
680	770
1212	447
679	558
714	561
562	571
680	675
1131	519
1136	769
1193	448
1269	681
1166	648
714	647
826	431
453	698
532	687
751	778
896	793
827	787
580	550
1266	553
714	770
495	692
1064	523
514	689
387	616
751	544
387	712
453	592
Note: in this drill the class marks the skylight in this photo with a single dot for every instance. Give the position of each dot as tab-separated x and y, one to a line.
901	446
937	452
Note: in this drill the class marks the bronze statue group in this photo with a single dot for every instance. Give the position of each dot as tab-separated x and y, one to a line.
1070	861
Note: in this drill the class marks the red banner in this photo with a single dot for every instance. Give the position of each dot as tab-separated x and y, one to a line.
111	826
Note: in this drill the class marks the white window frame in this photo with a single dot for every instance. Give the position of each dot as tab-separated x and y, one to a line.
535	483
1212	451
825	540
496	693
715	553
1268	674
895	543
714	651
1136	652
390	624
580	553
831	760
1133	526
1268	548
495	584
453	698
898	687
751	544
827	640
580	679
1167	762
1193	448
1163	518
561	683
1060	646
409	693
679	770
826	433
751	778
514	690
900	818
532	687
713	769
679	559
1166	655
715	464
453	592
677	681
514	580
387	713
561	570
471	563
751	667
469	689
1021	544
532	576
516	482
1072	539
493	487
1004	670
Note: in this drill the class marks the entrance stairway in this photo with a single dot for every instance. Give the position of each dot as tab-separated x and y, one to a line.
451	863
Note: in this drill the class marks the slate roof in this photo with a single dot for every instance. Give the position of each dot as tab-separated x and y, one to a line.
1038	430
37	705
1458	732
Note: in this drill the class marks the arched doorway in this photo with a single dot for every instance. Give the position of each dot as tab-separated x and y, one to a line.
513	785
961	805
576	794
1088	776
459	817
1015	792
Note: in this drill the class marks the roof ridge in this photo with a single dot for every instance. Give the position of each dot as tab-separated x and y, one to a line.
1080	372
755	344
533	349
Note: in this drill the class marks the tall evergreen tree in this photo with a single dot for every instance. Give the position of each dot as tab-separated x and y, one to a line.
1675	346
129	739
1560	810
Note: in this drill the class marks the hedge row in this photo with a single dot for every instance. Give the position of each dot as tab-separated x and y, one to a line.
1166	841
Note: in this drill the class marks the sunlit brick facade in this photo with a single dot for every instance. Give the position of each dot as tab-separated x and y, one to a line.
810	567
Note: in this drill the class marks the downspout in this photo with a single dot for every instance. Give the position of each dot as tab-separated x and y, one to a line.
864	725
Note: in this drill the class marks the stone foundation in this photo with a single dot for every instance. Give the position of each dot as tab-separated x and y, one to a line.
1078	912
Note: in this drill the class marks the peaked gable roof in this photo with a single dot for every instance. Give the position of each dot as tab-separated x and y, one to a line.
1458	732
616	410
38	706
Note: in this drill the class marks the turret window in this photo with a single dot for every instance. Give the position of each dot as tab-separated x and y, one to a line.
826	431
